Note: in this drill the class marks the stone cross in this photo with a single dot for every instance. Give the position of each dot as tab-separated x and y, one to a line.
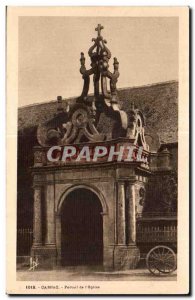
99	28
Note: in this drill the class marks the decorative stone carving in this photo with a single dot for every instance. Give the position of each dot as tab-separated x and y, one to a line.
140	203
136	127
142	194
38	156
78	126
78	122
100	56
52	131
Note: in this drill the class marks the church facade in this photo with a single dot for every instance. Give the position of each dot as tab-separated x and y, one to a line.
89	211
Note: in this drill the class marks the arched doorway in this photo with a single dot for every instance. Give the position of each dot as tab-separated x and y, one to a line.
81	229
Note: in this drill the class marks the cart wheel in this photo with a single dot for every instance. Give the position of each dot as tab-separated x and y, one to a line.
161	259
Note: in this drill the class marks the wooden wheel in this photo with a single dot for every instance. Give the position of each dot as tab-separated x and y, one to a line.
161	259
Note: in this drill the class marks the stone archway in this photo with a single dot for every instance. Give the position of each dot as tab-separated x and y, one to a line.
81	228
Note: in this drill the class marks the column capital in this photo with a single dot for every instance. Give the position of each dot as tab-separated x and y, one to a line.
37	186
130	179
121	182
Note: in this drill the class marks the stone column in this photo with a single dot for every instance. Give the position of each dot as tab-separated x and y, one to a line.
37	222
50	215
131	214
58	238
121	232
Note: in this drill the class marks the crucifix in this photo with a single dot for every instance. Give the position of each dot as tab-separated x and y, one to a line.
99	28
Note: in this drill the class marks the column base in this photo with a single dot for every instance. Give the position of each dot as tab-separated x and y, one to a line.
47	256
108	258
126	257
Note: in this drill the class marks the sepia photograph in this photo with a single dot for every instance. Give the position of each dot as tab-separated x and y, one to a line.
98	143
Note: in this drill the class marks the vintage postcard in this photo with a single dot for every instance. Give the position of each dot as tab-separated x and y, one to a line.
97	150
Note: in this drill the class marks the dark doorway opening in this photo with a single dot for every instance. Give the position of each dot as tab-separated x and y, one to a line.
81	229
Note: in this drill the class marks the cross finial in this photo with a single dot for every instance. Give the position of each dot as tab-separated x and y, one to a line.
99	28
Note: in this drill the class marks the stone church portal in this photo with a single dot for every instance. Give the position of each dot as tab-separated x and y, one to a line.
86	212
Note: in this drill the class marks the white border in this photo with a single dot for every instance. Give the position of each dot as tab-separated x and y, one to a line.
2	47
